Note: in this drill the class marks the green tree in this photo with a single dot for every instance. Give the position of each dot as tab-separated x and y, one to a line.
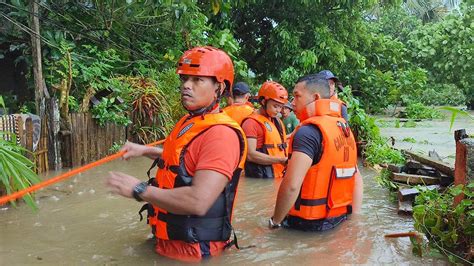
445	48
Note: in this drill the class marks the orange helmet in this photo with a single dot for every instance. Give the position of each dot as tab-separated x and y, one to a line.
207	61
273	90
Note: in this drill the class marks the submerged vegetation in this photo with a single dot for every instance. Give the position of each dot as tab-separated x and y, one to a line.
448	227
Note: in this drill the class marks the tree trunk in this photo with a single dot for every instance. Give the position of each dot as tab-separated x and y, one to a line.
36	58
46	107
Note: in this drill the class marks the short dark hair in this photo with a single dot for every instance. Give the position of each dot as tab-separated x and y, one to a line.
315	83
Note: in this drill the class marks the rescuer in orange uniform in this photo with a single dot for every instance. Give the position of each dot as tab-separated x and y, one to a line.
321	185
266	136
240	107
191	199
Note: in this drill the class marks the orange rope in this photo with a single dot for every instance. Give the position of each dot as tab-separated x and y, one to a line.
61	177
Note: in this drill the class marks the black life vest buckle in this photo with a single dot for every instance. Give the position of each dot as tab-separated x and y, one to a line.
283	146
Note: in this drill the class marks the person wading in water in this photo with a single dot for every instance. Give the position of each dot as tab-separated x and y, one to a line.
191	199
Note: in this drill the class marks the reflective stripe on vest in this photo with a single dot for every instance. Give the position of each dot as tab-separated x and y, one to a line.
216	224
328	186
274	143
239	112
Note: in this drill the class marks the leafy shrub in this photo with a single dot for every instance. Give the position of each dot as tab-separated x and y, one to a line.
384	180
151	112
409	124
420	111
443	94
73	104
378	152
109	111
155	100
409	139
448	228
116	146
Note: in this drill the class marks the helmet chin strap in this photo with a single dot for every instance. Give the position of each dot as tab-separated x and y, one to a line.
265	107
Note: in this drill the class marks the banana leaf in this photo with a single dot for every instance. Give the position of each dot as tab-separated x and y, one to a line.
15	169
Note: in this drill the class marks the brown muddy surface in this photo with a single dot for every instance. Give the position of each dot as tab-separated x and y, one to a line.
79	222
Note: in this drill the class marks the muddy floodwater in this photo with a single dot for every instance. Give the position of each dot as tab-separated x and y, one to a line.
427	135
79	222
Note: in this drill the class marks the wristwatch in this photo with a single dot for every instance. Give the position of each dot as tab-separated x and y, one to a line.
139	189
273	225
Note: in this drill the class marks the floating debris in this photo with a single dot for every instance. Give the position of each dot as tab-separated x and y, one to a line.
55	198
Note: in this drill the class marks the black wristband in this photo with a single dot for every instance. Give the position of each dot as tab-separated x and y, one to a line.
138	190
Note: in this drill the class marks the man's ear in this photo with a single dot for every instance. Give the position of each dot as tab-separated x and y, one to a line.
316	96
220	88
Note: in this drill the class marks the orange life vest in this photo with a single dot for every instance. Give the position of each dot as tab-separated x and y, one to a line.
335	98
328	186
216	224
239	112
343	105
274	145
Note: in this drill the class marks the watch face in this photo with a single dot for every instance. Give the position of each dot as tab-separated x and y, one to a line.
140	188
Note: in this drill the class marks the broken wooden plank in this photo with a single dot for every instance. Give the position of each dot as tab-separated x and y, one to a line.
415	179
415	165
416	168
395	168
446	180
440	166
411	193
405	207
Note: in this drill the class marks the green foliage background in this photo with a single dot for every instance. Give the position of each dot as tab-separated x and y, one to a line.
388	52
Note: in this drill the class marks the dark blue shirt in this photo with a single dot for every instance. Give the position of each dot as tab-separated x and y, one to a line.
308	140
344	113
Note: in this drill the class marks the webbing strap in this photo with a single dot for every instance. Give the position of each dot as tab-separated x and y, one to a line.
142	209
236	244
158	161
184	220
313	202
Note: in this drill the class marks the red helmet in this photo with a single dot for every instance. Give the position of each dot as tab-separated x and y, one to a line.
274	91
207	61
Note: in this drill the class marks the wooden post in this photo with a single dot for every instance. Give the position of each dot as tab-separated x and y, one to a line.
464	165
36	56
